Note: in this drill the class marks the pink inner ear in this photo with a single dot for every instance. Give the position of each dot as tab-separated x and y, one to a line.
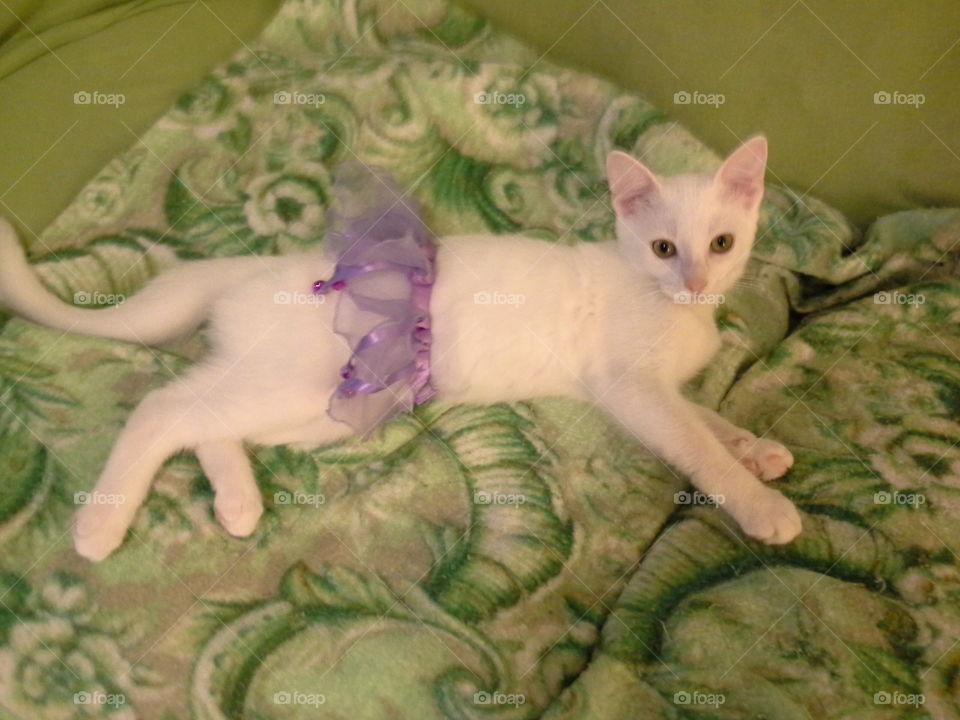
746	188
631	183
629	204
742	173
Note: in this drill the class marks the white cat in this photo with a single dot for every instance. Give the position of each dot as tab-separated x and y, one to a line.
597	322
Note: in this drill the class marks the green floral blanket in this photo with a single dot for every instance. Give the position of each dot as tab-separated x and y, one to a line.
512	561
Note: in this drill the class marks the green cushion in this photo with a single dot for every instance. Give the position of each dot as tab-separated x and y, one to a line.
803	72
147	50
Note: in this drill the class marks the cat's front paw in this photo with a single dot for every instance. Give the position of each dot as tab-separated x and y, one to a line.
766	459
767	515
98	530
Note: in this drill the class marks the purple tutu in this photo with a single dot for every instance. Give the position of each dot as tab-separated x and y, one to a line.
384	257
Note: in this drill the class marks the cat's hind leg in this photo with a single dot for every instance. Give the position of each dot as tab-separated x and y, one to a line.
166	421
237	504
212	410
156	429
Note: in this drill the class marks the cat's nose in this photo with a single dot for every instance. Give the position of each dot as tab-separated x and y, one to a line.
696	284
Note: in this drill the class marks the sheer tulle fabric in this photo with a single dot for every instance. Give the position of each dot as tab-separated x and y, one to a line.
384	258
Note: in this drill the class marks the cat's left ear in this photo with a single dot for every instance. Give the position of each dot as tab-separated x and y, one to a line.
741	174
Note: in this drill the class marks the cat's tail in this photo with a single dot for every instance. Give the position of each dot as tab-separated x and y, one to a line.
169	307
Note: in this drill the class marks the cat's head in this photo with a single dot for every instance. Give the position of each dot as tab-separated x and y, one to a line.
689	233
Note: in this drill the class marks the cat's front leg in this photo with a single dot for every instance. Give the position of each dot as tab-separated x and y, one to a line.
670	426
765	458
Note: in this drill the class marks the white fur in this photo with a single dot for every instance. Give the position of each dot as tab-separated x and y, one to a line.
597	322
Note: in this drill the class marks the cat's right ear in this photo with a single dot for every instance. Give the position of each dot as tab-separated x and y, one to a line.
631	183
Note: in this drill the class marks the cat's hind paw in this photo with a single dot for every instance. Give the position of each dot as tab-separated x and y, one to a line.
238	512
99	529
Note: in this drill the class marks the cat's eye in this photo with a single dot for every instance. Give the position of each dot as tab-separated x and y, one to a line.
721	243
664	248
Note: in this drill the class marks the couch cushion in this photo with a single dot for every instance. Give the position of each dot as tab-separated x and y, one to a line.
803	72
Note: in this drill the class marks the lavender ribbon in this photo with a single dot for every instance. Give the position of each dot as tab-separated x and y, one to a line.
385	274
